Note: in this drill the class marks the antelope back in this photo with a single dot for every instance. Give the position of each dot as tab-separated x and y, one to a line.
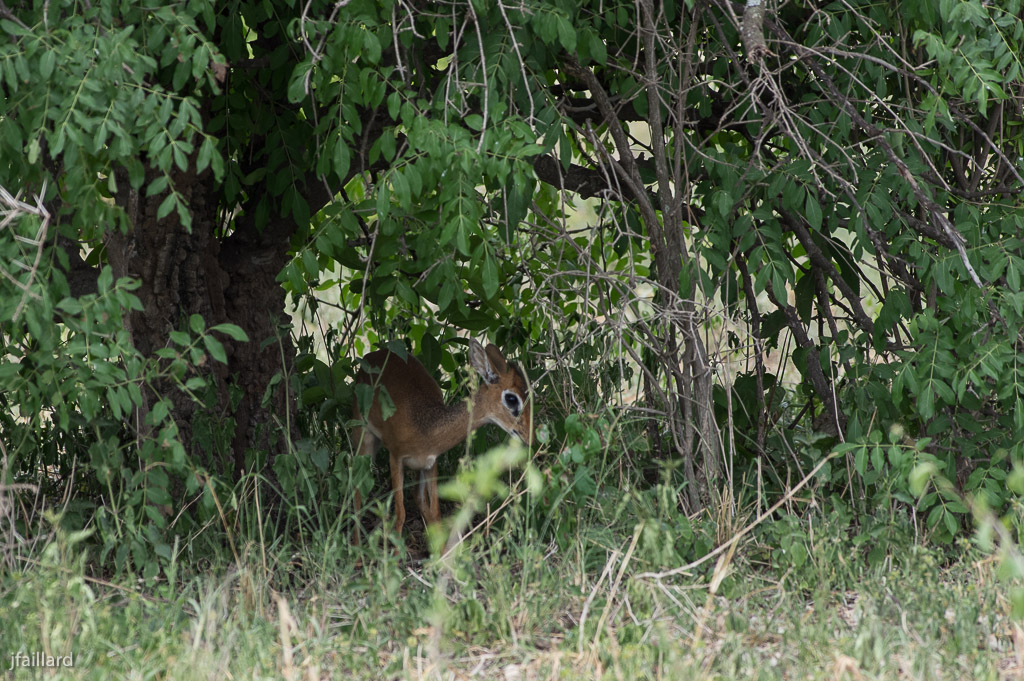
413	392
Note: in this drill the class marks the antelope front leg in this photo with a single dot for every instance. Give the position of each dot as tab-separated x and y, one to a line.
426	496
397	486
435	505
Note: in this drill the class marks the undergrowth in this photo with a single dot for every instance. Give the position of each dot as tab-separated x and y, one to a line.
801	597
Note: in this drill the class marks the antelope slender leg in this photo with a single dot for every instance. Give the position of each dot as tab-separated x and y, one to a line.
397	485
435	505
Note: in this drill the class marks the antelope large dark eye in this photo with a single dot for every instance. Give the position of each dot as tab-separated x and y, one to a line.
512	402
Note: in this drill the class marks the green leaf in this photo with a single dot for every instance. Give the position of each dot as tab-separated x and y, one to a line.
166	206
724	203
204	156
566	33
598	50
195	383
180	159
158	413
926	401
180	337
216	349
401	189
951	523
934	516
813	212
564	150
232	330
860	460
584	482
46	64
371	47
216	161
462	237
297	88
8	371
383	201
342	159
105	279
13	28
444	298
489	274
70	305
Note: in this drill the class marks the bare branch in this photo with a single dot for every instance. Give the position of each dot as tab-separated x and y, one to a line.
12	209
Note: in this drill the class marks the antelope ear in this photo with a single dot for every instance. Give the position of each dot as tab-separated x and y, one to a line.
497	359
478	358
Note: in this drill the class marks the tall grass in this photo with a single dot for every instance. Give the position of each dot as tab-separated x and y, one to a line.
521	599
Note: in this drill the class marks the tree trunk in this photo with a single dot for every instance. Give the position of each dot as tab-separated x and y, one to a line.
192	271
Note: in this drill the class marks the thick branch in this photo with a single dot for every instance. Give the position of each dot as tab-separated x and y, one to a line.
625	166
751	31
825	265
586	182
669	203
814	373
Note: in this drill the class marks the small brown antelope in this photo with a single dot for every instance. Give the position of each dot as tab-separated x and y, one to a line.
423	427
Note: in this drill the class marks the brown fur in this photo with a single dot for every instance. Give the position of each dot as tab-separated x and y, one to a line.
423	427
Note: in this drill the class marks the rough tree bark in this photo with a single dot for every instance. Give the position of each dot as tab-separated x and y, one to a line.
184	272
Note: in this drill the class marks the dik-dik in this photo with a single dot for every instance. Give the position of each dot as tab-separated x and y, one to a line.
423	427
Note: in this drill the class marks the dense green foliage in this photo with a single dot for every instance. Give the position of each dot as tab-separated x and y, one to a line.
880	187
722	265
